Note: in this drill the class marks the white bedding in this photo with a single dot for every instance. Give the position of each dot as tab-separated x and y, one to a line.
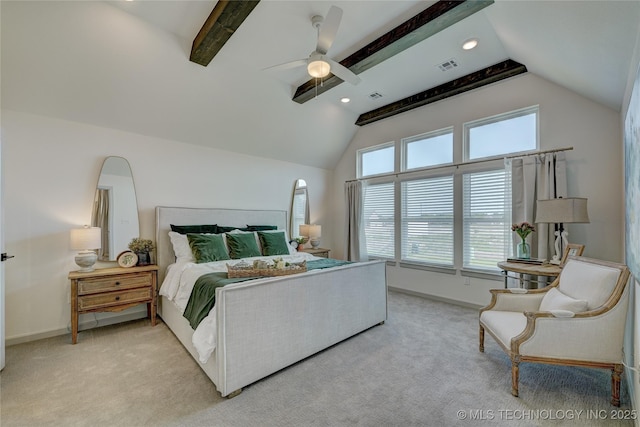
178	284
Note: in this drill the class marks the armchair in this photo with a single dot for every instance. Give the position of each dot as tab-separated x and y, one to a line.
577	320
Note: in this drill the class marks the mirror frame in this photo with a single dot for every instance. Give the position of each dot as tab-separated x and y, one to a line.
130	223
299	187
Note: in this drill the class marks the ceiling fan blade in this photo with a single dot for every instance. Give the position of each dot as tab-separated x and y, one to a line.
343	72
329	29
288	65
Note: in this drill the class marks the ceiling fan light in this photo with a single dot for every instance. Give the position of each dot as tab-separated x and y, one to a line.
318	68
469	44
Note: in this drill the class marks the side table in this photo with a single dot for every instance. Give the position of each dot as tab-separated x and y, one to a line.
522	268
321	252
112	289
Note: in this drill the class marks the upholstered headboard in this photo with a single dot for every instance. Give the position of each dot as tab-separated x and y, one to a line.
165	216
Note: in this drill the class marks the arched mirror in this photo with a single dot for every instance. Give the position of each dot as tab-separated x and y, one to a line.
299	207
115	209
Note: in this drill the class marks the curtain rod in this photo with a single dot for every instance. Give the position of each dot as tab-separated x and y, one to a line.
456	165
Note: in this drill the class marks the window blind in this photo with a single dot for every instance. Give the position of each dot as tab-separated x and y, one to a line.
486	219
379	220
427	221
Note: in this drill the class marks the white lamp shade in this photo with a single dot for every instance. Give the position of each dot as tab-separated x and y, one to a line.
304	230
562	210
315	231
86	238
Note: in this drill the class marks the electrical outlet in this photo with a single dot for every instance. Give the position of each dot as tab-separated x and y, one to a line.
467	281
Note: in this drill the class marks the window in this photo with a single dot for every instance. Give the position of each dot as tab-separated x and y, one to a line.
427	221
486	219
379	220
377	160
508	133
429	149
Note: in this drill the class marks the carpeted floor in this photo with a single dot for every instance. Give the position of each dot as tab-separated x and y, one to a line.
421	368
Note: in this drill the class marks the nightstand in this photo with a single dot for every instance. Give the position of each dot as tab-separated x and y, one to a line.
321	252
112	289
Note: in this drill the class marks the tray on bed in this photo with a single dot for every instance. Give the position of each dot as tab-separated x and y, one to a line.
240	271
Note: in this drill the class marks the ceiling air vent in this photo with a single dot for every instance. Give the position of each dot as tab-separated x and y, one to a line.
448	65
375	95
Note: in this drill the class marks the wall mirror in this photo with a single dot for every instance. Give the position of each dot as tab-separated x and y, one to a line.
299	207
115	209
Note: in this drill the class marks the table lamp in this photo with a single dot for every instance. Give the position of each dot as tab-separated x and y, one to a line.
315	231
85	240
561	211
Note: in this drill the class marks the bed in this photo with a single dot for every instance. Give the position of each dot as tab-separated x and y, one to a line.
267	324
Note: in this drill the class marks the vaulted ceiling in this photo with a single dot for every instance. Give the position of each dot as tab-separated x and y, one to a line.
125	65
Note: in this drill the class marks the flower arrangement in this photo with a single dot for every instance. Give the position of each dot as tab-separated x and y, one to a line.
139	245
301	240
523	229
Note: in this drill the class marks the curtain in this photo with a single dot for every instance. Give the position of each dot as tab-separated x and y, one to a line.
538	177
356	247
100	218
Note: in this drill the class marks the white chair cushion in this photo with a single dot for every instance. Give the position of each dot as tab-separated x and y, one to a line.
504	325
556	300
587	281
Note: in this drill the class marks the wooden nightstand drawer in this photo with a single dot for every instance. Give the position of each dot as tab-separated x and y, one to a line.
113	298
114	283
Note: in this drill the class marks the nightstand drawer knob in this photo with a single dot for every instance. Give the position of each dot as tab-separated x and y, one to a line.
117	298
117	283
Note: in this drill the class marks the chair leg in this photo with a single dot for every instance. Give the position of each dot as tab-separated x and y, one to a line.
481	339
616	371
515	372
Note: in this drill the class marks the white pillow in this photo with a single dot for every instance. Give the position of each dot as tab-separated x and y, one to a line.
181	247
556	300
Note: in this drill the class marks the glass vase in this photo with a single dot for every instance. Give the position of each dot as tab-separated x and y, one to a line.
524	250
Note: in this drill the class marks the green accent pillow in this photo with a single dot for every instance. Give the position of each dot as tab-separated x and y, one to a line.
227	229
196	229
207	247
273	243
261	227
242	245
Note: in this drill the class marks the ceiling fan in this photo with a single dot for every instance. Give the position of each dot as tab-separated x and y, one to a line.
319	65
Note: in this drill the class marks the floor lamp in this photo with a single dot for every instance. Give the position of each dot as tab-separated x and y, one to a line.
561	211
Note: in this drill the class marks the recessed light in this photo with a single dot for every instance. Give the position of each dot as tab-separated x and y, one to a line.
345	100
469	44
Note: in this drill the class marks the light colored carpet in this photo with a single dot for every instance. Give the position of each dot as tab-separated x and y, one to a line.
418	369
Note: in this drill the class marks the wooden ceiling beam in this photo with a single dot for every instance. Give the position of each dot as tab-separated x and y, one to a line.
491	74
422	26
224	20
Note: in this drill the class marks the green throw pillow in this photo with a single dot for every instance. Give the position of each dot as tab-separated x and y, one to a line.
242	245
197	229
273	243
207	247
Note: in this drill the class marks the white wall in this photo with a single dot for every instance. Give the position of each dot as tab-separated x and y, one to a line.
566	119
51	169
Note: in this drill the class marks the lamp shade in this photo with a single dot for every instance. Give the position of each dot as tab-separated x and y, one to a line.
315	231
304	230
562	210
86	238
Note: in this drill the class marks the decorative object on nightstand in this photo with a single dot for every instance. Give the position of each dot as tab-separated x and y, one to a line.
561	211
127	259
85	240
112	289
142	248
315	232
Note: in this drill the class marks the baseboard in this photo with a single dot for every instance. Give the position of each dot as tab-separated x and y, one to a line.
82	326
435	298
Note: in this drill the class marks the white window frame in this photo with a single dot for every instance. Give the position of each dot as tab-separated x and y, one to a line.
362	151
534	109
404	142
